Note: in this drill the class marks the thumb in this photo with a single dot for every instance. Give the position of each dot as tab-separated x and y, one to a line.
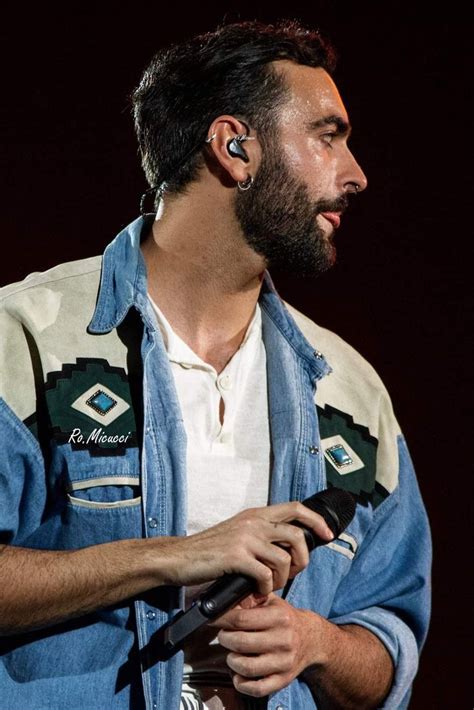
253	600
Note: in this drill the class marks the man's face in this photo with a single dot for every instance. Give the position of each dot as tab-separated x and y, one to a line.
306	170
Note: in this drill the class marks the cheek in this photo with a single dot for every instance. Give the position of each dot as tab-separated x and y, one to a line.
296	156
310	161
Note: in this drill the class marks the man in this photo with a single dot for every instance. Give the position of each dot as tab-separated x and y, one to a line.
163	412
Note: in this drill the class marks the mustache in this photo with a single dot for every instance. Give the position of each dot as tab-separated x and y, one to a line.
340	204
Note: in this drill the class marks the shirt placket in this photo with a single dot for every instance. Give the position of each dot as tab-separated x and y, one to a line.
164	451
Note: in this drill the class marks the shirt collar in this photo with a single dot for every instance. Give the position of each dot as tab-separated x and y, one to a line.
123	284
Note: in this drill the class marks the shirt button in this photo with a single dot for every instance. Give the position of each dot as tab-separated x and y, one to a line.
280	707
225	382
313	449
152	522
150	615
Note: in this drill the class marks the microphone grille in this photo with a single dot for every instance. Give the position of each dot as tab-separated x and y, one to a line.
336	506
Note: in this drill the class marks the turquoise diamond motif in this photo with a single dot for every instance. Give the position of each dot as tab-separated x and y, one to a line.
101	402
339	455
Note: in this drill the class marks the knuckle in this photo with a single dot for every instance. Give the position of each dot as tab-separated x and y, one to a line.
234	556
240	617
299	508
299	534
283	555
247	667
247	522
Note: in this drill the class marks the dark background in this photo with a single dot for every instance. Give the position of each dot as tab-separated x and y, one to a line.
398	294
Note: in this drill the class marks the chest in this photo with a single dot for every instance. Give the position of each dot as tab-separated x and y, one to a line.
227	460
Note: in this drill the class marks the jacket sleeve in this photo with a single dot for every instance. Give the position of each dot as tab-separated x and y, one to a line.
388	587
22	469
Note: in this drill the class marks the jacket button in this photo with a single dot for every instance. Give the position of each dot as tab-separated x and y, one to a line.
152	522
150	615
318	354
313	449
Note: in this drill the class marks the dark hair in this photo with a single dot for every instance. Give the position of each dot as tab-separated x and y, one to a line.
186	86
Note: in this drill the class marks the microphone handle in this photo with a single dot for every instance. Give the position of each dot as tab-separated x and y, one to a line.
227	591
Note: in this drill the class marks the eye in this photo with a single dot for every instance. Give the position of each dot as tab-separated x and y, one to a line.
327	137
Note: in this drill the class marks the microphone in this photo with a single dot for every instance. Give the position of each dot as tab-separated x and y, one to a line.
336	506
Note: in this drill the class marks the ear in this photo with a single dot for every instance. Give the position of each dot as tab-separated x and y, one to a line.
221	131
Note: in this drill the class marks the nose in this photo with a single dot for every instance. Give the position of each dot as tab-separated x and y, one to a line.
353	177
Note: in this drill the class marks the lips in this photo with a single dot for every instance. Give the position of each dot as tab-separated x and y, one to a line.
332	217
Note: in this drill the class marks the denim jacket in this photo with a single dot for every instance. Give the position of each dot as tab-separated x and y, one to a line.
94	450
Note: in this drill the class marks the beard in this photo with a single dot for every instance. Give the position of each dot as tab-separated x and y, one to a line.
278	219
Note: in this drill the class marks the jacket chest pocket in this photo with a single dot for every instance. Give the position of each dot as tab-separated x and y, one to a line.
102	499
104	491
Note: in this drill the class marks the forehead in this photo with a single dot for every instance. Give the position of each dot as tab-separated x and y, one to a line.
313	93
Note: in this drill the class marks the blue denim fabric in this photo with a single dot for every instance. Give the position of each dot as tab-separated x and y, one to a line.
91	662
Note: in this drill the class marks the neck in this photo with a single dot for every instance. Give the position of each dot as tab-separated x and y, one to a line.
201	272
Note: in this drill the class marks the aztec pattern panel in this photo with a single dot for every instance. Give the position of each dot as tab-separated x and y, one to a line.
350	453
89	406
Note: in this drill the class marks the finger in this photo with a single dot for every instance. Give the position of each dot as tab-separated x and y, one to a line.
292	539
253	601
257	619
268	564
257	666
247	642
295	510
280	561
262	573
259	688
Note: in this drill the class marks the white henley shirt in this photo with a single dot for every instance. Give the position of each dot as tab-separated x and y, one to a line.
228	470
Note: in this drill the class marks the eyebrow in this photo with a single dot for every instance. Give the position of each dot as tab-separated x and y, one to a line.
343	128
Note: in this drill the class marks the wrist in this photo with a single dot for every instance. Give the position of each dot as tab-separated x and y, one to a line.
140	560
321	639
155	560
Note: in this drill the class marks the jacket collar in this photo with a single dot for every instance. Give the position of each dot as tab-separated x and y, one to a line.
123	278
123	284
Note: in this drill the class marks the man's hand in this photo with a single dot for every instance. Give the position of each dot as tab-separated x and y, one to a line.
271	642
45	587
258	542
268	643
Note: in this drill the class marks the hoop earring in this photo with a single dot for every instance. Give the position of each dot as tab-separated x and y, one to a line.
246	184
